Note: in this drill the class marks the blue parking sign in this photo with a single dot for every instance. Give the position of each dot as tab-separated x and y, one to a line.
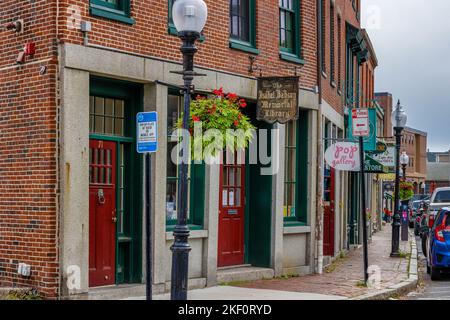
147	132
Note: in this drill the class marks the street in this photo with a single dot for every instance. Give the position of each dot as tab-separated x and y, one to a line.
427	289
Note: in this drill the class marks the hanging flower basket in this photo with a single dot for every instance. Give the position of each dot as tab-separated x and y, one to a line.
406	191
217	124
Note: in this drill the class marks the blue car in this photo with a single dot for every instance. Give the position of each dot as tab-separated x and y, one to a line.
438	245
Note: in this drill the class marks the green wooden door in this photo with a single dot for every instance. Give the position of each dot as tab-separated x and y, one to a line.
259	209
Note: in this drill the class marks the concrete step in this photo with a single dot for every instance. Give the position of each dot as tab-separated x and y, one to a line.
240	274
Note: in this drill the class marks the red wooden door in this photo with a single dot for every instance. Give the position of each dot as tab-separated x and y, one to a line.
328	213
102	213
232	211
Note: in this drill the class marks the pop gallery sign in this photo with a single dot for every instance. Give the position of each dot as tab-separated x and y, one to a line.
343	156
278	99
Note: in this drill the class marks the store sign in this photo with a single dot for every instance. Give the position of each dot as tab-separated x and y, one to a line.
370	141
147	132
278	99
343	156
386	158
373	166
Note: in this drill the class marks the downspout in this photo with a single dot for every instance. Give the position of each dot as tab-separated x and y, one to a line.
319	191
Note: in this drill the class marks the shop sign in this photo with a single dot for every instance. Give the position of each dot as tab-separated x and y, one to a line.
373	166
278	99
387	158
147	132
343	156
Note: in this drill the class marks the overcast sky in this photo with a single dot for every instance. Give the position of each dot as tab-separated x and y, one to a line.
412	43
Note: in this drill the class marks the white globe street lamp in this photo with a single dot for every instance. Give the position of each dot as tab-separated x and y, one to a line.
399	119
189	17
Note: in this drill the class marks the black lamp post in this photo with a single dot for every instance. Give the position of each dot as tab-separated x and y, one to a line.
398	119
189	17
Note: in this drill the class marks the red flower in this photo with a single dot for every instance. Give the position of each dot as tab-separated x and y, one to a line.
242	103
213	109
218	92
232	96
240	116
236	123
195	118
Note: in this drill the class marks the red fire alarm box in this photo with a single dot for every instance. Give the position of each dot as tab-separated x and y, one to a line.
30	49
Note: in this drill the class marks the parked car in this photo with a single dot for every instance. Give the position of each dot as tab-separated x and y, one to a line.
438	245
414	208
417	197
420	218
438	200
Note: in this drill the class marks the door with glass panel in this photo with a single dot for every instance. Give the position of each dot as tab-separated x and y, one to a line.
232	210
102	212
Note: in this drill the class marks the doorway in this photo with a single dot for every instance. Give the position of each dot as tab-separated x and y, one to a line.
328	212
115	185
232	210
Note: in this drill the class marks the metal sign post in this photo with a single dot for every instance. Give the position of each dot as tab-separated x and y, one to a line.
360	128
147	143
363	208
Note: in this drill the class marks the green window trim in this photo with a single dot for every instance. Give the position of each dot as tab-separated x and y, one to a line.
171	26
291	58
197	188
301	194
247	46
120	12
292	53
243	46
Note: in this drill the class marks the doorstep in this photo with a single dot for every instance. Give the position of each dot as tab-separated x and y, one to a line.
243	273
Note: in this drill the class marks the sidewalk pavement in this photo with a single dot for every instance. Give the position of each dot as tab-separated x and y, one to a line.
342	279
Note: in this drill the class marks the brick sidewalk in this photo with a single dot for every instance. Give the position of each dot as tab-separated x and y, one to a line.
344	276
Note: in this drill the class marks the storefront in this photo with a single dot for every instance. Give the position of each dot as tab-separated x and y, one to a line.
258	212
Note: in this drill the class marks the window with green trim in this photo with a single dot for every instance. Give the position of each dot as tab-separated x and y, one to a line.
323	34
119	10
290	30
106	116
290	174
171	29
295	171
196	173
332	43
243	25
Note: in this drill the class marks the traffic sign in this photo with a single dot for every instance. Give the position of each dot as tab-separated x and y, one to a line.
360	122
147	132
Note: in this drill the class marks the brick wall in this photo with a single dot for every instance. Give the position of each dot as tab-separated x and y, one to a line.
385	101
149	36
333	93
28	134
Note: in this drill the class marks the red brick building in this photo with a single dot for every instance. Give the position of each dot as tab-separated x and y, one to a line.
67	149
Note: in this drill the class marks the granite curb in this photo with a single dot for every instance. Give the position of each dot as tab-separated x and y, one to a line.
403	287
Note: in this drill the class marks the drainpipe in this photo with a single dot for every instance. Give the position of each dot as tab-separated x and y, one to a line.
319	191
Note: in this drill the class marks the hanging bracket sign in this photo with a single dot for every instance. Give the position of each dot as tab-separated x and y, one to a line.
343	156
278	99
